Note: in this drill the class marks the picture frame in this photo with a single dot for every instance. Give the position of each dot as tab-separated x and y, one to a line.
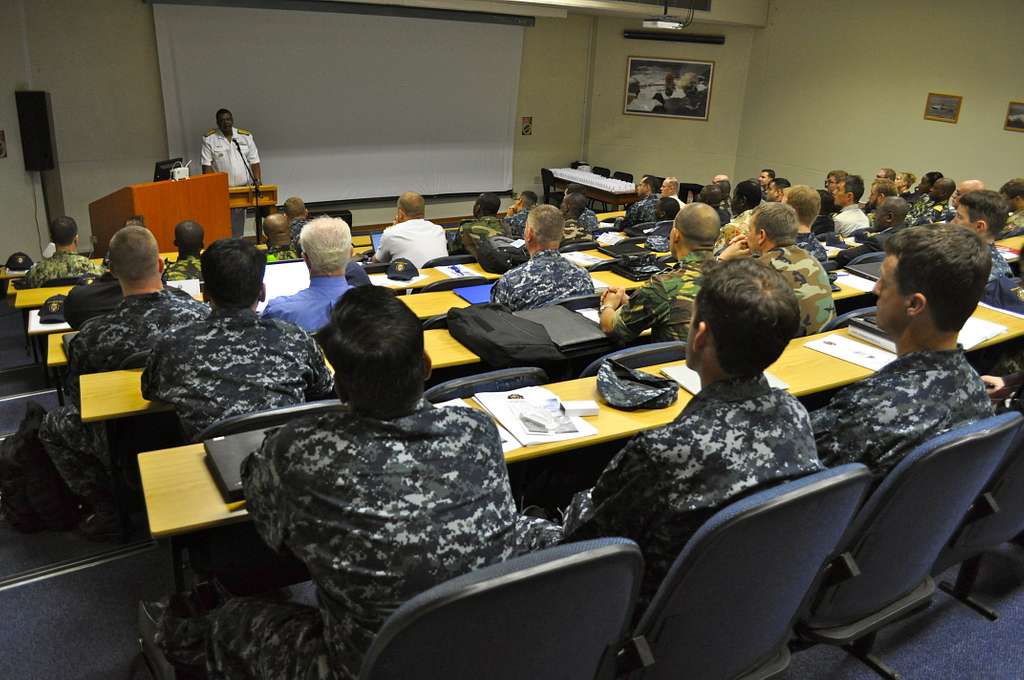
1014	117
944	108
668	88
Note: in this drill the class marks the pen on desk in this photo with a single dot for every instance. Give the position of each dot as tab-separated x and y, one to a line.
238	505
458	270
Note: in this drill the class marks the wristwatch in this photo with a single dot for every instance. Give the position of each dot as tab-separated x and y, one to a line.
600	310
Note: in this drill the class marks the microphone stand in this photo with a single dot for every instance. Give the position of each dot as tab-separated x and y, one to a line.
256	188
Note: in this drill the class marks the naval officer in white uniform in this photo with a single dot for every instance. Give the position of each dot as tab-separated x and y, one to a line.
228	149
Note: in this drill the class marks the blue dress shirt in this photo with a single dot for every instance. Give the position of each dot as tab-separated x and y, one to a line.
309	309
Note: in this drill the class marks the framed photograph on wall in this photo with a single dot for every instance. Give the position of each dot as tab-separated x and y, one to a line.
1015	117
944	108
668	88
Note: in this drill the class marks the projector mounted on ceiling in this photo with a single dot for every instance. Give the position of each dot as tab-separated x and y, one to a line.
670	23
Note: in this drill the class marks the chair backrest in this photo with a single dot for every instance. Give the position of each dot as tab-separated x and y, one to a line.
867	257
642	355
448	259
491	381
728	603
577	246
687	188
452	284
61	281
624	176
633	240
658	180
135	360
375	267
580	302
555	613
598	170
439	321
898	534
843	320
547	180
603	265
265	419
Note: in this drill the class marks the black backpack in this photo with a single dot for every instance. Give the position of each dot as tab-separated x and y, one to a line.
502	339
497	254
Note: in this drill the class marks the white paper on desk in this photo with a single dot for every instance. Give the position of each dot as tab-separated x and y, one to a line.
285	278
854	281
977	331
609	238
383	280
582	259
851	351
496	403
455	271
1000	310
1009	254
599	285
508	442
591	313
689	380
190	286
37	327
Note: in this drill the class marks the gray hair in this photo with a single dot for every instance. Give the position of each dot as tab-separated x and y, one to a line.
778	221
327	244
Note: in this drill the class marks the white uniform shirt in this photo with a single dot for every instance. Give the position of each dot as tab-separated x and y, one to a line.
222	155
850	219
416	240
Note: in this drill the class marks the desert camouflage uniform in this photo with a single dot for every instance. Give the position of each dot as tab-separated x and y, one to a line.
1014	224
515	226
183	269
928	211
472	232
1000	267
641	211
733	437
547	277
59	266
739	225
79	450
664	304
295	228
379	511
811	244
232	364
574	231
282	253
810	283
878	420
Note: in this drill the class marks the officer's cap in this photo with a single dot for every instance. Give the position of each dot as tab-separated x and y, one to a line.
19	262
402	269
52	310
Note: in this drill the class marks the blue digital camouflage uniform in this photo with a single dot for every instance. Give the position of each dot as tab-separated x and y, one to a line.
234	363
733	437
1000	267
295	229
664	304
379	510
810	283
547	277
811	244
641	211
927	211
60	265
588	220
282	253
79	450
878	420
515	226
183	269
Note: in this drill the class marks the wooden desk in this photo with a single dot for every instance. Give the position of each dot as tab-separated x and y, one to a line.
445	351
36	327
56	357
601	195
115	394
426	305
604	217
33	298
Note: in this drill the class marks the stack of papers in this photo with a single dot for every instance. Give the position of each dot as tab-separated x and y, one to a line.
851	351
582	258
854	281
456	271
609	238
689	380
599	285
508	442
190	286
509	409
977	331
383	280
591	313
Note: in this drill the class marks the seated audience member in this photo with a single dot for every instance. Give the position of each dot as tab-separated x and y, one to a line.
484	225
850	217
298	215
736	435
880	190
234	362
719	178
665	303
776	190
725	186
515	218
1013	192
548	276
890	217
411	236
928	180
824	223
670	189
930	387
886	173
764	180
588	218
984	213
745	200
65	261
711	195
806	203
643	210
665	212
934	208
279	240
772	238
572	207
326	247
905	185
833	178
147	312
97	297
188	238
963	188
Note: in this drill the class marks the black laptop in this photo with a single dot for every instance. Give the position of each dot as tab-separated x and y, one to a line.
224	456
570	331
869	270
620	249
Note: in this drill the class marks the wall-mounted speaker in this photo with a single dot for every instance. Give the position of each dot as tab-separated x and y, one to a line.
675	36
35	121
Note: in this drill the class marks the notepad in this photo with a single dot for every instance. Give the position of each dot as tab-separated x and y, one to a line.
851	351
475	295
689	380
456	271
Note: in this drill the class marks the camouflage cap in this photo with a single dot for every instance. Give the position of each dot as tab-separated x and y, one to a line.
52	310
628	389
402	269
19	262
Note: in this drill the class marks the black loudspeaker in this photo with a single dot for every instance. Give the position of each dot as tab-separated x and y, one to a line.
36	125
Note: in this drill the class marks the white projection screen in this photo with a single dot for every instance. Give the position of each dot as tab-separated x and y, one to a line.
346	106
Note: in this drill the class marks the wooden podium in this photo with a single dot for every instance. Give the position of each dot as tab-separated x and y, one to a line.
203	198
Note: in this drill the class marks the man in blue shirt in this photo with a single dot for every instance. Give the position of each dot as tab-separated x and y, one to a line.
326	247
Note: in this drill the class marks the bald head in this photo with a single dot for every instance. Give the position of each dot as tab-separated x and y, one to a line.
966	187
275	226
188	236
942	189
891	212
411	205
720	178
698	226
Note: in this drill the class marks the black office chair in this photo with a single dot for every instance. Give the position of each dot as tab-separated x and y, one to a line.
436	322
624	176
603	172
501	380
882	574
452	284
375	267
746	571
657	181
61	281
547	180
641	355
554	613
577	246
580	302
136	360
867	257
843	320
689	190
603	265
448	259
264	419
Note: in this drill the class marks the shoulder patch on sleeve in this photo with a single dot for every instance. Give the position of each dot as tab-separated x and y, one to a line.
244	132
210	132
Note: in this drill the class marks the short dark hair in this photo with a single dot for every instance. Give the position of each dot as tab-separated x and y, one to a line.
771	172
946	263
575	189
895	205
651	182
750	191
529	198
725	186
233	273
743	299
853	184
375	344
990	206
780	183
63	230
828	202
220	111
1013	188
667	207
188	235
574	204
710	194
945	186
135	220
488	204
931	177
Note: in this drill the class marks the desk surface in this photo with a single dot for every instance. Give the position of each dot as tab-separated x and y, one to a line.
55	355
33	298
36	327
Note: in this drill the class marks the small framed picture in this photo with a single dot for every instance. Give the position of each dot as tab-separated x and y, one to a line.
944	108
668	88
1015	117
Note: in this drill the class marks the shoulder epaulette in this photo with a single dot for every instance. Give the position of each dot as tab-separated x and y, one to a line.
210	132
244	132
